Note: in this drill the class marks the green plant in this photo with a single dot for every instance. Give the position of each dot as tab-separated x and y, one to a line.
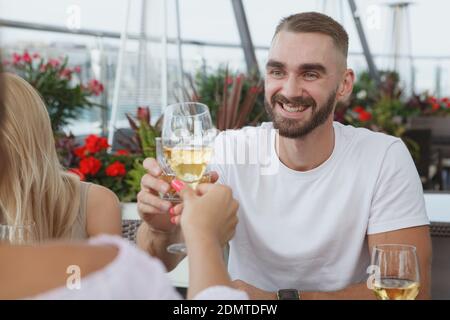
122	170
425	104
379	108
234	100
92	162
141	144
59	85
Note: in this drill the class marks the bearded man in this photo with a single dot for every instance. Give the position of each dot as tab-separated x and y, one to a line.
321	196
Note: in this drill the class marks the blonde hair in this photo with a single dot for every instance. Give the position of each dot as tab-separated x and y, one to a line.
34	187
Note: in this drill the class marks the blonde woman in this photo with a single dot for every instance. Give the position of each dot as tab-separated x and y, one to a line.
35	188
112	268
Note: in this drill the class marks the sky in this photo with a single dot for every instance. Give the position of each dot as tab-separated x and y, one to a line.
213	20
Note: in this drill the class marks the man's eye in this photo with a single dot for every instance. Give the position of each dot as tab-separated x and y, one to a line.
276	73
310	76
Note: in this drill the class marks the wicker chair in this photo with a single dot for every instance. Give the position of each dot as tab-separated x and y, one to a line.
129	229
440	229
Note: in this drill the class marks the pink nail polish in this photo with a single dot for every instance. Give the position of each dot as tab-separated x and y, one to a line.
178	185
172	211
172	220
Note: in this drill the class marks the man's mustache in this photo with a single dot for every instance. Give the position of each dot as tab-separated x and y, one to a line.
295	102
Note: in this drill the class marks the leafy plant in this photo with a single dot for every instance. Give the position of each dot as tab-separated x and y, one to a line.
378	108
121	170
59	85
93	163
141	144
234	100
427	105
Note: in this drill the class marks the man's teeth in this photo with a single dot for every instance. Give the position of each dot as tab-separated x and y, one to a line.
289	108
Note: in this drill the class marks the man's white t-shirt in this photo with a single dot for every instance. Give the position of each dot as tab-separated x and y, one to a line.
308	230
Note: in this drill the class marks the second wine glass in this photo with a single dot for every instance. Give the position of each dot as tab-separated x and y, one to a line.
397	272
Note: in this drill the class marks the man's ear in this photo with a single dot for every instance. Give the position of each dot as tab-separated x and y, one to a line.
346	87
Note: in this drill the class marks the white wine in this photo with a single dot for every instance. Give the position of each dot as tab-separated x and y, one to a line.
188	164
396	289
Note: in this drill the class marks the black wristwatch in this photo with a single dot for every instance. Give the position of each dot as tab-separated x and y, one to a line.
288	294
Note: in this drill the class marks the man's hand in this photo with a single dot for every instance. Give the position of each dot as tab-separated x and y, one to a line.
152	209
253	292
157	231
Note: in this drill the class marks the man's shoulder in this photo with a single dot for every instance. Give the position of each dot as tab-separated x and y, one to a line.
248	130
363	138
246	135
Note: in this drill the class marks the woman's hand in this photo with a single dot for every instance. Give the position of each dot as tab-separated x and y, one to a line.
208	212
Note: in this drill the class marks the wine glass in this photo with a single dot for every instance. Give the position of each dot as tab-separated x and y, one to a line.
187	145
18	234
397	272
168	175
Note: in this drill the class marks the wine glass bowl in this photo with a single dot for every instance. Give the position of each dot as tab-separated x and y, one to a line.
397	272
187	138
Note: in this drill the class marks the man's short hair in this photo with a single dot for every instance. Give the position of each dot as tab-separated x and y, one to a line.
314	22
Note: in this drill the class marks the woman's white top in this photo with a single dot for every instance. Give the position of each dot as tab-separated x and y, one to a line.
133	274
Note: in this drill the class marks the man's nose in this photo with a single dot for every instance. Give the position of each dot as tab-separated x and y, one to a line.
292	87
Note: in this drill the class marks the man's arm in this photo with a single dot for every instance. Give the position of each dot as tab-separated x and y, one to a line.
416	236
156	242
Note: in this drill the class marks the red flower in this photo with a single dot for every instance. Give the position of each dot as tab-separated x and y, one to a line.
66	73
77	69
95	87
435	106
78	173
358	109
36	56
445	100
26	57
229	80
448	104
55	63
365	116
143	114
95	144
16	58
90	165
122	152
432	99
254	90
80	152
116	169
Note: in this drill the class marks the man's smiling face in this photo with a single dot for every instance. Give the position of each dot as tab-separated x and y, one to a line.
303	74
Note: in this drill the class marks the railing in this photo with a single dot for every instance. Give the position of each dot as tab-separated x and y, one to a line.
440	64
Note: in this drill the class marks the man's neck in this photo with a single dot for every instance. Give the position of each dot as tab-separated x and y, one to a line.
309	152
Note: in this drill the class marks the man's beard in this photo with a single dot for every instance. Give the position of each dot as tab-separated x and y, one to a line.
292	128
